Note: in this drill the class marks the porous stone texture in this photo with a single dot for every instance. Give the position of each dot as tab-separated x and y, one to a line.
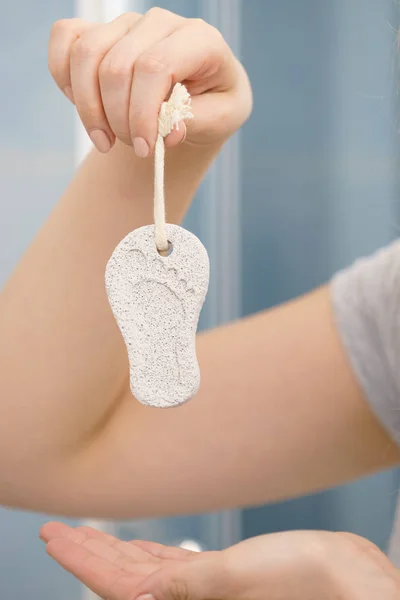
156	301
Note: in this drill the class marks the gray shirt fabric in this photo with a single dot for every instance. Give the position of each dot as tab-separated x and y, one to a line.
366	303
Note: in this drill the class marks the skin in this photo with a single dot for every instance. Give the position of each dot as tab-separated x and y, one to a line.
278	414
301	565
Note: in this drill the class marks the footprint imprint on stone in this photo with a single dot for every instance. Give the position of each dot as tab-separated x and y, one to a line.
156	301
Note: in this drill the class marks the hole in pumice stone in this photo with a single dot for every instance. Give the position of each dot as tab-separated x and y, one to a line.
166	252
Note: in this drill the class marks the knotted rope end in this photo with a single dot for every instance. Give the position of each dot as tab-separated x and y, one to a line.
174	110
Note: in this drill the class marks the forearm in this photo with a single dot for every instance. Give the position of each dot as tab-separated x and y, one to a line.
279	414
63	360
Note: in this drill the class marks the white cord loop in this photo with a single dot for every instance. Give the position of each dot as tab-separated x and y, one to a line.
176	109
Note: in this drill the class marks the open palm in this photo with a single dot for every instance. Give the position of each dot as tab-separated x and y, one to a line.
295	565
117	570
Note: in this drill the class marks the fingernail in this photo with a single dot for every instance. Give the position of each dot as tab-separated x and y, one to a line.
145	597
68	93
142	151
100	140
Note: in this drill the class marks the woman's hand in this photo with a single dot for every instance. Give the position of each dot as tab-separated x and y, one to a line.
119	73
303	565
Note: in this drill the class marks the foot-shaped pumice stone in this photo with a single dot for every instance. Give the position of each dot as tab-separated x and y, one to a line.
156	301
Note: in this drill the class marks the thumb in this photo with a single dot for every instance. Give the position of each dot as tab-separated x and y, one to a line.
199	579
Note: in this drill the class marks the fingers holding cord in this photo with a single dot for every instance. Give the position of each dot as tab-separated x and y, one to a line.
118	74
118	66
159	68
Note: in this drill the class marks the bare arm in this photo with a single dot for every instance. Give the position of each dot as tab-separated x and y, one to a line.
279	412
64	364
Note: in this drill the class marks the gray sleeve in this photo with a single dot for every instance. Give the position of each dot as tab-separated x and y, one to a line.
366	303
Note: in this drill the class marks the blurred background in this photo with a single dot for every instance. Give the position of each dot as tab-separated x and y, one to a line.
308	185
